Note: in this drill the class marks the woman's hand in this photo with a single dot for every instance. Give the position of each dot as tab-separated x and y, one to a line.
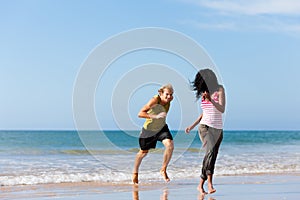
206	96
187	130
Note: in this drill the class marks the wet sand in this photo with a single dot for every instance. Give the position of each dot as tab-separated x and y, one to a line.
228	188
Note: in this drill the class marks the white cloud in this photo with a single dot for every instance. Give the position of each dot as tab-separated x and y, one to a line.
211	25
252	7
248	15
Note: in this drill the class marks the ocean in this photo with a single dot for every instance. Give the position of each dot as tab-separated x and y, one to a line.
39	157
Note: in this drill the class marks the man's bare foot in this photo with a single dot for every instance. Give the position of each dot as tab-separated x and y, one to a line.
165	175
135	178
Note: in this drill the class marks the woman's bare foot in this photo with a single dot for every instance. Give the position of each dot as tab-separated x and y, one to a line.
201	190
211	190
135	178
165	175
210	184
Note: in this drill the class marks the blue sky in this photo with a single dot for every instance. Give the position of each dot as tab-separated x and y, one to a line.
254	44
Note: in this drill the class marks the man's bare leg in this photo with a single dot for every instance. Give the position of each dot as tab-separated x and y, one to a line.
169	147
138	160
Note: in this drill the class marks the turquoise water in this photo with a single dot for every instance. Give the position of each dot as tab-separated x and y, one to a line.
35	157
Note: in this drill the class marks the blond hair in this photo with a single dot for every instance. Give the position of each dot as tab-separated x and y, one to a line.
167	86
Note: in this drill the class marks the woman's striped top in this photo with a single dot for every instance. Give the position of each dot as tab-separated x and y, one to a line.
211	116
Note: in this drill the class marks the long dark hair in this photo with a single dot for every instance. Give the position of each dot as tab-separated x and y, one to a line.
205	80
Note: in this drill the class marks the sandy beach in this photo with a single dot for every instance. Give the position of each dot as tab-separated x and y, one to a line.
228	187
55	165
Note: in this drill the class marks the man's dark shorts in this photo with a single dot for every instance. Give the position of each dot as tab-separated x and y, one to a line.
148	139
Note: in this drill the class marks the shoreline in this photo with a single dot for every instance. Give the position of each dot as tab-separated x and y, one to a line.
266	186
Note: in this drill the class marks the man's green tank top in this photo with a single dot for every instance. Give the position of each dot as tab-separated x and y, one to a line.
156	124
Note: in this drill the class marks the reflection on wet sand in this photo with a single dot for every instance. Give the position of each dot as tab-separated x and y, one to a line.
202	197
164	195
135	193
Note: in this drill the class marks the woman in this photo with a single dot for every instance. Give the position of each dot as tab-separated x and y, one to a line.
211	124
155	129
